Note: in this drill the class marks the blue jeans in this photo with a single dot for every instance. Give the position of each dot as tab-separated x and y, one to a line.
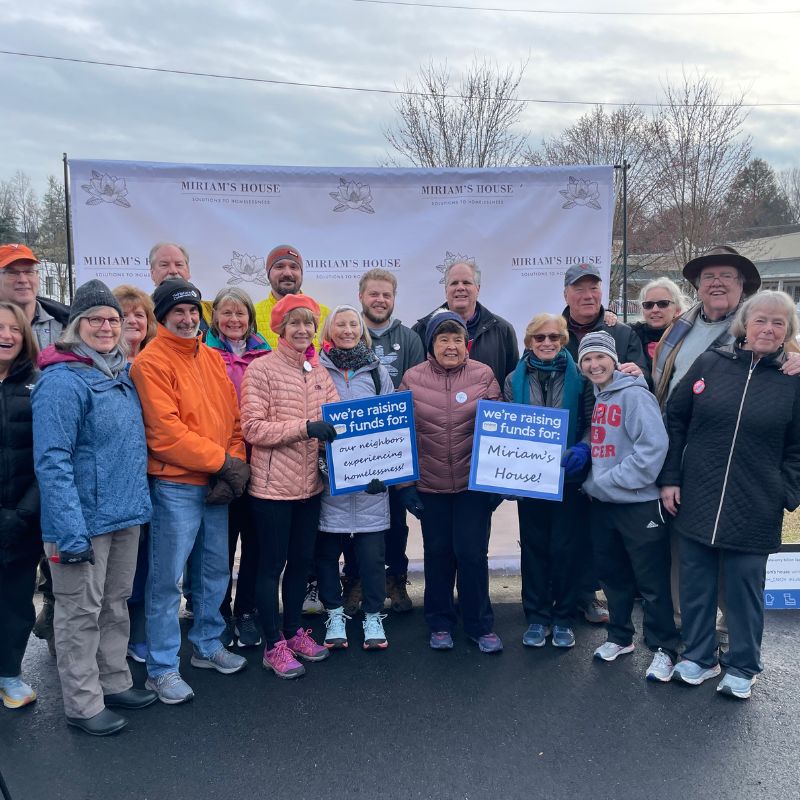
182	523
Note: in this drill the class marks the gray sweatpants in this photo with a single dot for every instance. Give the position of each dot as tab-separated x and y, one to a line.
91	621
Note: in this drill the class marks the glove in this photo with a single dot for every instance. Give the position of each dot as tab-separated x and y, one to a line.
220	493
321	430
76	557
576	459
375	486
412	501
235	473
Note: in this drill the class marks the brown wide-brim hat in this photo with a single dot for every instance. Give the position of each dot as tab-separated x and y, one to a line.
725	256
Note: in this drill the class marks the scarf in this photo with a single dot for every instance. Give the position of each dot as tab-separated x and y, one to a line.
573	384
110	364
353	359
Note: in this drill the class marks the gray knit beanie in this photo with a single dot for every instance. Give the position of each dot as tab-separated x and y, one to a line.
598	342
91	294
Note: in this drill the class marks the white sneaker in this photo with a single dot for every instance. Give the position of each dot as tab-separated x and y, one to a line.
609	651
735	686
336	637
312	604
661	667
374	635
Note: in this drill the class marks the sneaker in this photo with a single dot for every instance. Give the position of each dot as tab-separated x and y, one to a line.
374	635
221	660
441	640
336	636
488	643
660	668
247	630
228	633
610	650
188	611
15	692
137	651
281	661
170	688
351	590
301	644
536	635
596	613
694	674
312	604
399	600
563	636
734	686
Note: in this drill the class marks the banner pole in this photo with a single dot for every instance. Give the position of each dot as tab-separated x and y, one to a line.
68	218
624	240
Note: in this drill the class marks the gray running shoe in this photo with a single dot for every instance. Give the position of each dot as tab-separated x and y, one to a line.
170	688
222	661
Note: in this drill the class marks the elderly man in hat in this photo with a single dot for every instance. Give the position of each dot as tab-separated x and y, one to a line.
284	266
196	466
723	278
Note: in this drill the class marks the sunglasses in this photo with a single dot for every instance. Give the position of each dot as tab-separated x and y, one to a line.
551	337
648	304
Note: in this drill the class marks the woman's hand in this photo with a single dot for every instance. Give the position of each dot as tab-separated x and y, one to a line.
671	498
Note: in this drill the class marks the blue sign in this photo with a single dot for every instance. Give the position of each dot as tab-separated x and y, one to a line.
782	586
375	439
517	450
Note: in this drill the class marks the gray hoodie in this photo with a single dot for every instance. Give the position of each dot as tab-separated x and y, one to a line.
629	442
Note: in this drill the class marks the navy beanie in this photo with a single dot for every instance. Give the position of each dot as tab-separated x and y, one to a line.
437	318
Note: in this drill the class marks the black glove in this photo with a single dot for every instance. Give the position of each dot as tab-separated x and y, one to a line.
235	473
220	493
376	486
412	501
321	430
77	557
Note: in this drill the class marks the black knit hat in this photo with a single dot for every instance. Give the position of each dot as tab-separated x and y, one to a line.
173	292
91	294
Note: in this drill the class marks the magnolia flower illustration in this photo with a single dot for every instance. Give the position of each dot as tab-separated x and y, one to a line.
449	260
581	192
245	268
105	188
352	194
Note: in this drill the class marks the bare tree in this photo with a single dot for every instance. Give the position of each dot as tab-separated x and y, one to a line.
25	207
789	182
52	244
700	150
464	123
8	222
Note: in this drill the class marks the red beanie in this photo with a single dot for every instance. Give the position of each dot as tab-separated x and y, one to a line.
281	252
289	303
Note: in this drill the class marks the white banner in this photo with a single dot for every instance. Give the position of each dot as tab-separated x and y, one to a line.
523	226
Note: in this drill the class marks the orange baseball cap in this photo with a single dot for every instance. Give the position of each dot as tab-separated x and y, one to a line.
9	253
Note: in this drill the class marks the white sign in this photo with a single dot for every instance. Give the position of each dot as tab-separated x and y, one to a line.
523	227
782	588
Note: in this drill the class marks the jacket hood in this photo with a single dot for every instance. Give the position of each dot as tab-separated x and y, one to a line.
622	381
50	356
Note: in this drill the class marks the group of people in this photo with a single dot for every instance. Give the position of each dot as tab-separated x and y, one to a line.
145	438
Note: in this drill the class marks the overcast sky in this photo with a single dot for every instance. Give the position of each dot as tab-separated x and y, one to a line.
102	112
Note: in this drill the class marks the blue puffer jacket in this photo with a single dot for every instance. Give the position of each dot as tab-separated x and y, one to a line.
89	451
357	512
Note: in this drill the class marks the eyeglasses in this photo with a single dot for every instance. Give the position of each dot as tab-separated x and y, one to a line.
551	337
15	273
723	277
97	322
648	304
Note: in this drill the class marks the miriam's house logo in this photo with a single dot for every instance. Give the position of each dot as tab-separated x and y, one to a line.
245	268
453	258
105	188
580	192
353	195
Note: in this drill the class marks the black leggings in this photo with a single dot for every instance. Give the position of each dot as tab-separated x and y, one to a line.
286	532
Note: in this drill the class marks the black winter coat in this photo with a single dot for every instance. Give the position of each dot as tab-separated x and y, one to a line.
736	477
20	535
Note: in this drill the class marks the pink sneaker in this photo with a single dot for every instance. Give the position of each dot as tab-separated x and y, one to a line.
281	661
301	644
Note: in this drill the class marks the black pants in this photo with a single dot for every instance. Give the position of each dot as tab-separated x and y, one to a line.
369	551
631	550
240	524
455	537
17	614
287	533
550	535
136	600
743	575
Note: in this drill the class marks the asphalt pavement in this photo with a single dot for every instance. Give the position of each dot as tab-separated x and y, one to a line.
409	722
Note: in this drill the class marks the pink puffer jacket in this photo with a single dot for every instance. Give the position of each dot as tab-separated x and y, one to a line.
278	397
445	403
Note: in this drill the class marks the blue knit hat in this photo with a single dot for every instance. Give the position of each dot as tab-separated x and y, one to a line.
437	318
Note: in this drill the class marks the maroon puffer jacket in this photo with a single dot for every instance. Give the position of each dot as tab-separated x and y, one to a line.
445	402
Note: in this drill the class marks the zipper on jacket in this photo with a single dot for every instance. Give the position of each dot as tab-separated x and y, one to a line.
753	365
